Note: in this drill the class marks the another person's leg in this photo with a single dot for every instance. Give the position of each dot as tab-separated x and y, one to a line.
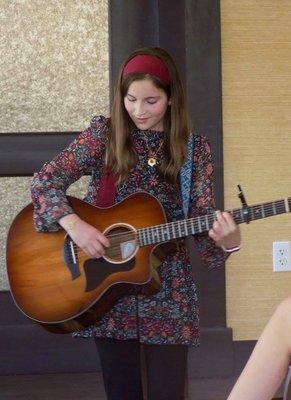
120	361
269	361
166	367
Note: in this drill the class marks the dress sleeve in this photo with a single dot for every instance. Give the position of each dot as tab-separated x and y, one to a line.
49	185
202	201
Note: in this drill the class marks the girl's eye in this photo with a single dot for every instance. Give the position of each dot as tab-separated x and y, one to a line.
130	99
151	102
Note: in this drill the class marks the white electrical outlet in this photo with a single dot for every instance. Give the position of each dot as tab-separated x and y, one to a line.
281	256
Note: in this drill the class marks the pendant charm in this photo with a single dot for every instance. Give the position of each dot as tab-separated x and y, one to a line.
152	161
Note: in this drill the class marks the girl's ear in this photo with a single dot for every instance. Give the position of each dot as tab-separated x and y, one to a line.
169	102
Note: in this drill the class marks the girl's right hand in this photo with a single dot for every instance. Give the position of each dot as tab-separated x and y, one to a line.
88	238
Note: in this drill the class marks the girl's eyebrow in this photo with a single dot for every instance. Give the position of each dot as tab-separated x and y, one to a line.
147	98
152	97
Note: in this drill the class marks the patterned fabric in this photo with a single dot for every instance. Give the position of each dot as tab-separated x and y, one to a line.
185	176
171	315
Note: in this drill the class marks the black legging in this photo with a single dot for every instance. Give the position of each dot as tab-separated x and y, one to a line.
121	366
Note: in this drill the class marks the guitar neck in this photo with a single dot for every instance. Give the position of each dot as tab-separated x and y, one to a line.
192	226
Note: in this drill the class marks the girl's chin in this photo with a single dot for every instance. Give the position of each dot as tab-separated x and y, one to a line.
147	126
143	125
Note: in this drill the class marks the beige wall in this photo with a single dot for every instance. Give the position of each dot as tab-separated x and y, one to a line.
256	73
54	75
53	64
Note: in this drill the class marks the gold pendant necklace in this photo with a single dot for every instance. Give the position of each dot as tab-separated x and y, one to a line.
152	161
152	156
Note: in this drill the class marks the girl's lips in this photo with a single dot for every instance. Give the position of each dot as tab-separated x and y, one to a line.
141	120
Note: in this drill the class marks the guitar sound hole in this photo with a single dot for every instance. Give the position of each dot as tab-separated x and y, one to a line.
123	243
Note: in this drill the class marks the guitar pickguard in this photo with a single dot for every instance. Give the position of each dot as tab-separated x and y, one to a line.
96	270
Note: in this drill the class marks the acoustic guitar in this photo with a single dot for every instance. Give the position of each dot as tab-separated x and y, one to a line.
54	283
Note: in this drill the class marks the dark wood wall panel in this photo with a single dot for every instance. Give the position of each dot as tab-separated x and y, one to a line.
23	153
203	60
203	83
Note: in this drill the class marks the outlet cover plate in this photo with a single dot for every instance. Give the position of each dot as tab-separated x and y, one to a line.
281	256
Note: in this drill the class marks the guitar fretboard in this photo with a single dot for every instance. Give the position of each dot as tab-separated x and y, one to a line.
192	226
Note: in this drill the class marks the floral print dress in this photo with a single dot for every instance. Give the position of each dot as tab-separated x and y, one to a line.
171	315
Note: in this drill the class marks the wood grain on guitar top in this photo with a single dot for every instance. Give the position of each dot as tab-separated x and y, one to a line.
51	288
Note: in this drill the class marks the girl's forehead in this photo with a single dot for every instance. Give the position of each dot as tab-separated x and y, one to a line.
144	87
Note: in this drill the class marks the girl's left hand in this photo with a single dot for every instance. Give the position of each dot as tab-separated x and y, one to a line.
225	232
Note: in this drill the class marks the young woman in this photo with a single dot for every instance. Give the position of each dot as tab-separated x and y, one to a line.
144	145
269	362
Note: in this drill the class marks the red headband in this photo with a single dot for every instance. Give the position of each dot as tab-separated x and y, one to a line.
148	64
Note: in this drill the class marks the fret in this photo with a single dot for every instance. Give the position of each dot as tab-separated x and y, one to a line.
140	237
207	222
263	210
257	212
161	233
168	231
183	228
179	229
236	215
242	215
150	235
173	231
147	236
199	223
192	226
196	225
203	223
158	233
274	208
165	232
268	209
286	205
281	207
186	227
144	237
276	205
211	219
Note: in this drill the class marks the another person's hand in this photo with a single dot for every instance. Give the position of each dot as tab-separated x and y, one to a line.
225	232
88	238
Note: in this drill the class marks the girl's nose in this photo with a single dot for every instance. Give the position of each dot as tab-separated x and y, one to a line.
139	109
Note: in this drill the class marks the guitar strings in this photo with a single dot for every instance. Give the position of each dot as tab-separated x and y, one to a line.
191	221
116	238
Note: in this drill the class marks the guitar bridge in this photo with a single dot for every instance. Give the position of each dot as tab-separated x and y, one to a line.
70	256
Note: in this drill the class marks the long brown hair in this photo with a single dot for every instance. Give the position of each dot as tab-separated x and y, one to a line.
121	157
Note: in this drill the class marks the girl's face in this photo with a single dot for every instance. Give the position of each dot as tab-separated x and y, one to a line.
146	105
